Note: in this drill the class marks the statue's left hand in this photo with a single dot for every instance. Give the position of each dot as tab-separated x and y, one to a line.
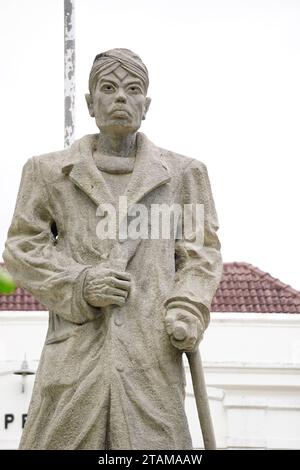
192	326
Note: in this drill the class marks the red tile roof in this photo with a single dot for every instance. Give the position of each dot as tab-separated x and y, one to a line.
20	300
243	288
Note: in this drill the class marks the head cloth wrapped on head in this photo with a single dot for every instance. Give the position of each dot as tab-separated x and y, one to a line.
108	61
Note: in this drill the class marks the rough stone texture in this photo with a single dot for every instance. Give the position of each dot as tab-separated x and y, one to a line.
109	375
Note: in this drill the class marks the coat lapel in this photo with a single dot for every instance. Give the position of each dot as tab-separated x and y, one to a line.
149	171
85	175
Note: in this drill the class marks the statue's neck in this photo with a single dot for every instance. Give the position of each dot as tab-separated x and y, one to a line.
117	146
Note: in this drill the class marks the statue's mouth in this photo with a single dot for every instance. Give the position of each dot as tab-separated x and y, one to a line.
120	112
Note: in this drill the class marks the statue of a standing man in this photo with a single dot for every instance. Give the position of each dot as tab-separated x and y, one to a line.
111	373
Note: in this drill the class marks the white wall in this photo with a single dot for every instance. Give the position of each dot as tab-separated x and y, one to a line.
20	333
251	363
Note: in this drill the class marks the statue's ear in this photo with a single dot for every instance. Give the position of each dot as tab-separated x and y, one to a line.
147	105
90	104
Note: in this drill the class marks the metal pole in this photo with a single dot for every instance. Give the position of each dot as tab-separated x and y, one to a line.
69	59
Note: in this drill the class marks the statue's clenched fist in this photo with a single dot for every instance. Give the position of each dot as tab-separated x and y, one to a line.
184	328
104	286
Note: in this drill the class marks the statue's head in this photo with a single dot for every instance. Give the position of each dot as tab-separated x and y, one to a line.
117	97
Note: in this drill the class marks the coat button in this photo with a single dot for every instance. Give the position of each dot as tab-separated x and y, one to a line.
118	320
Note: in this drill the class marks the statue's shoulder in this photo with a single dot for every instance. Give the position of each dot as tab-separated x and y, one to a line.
51	164
59	158
175	162
179	163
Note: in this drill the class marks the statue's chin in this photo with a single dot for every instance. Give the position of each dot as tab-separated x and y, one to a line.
119	129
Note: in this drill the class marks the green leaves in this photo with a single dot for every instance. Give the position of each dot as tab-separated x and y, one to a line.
7	284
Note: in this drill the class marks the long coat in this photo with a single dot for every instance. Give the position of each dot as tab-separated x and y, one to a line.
109	378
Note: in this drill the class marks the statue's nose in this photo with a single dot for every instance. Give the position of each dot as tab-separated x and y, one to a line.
121	97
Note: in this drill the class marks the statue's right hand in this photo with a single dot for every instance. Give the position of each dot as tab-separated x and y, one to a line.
104	286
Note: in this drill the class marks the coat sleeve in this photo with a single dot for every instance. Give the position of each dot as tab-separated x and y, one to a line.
197	249
33	259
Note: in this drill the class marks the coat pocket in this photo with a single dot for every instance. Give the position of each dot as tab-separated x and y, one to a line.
59	329
57	338
61	361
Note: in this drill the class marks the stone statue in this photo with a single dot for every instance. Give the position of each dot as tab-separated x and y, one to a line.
111	374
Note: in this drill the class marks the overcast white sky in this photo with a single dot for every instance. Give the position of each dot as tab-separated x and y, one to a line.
224	82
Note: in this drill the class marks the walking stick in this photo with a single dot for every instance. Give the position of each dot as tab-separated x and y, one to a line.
200	392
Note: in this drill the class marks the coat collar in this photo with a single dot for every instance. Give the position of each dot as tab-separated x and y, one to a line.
150	171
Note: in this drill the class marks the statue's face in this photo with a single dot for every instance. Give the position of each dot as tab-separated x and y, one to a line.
118	102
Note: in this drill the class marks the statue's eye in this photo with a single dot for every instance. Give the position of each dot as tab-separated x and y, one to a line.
107	87
134	89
